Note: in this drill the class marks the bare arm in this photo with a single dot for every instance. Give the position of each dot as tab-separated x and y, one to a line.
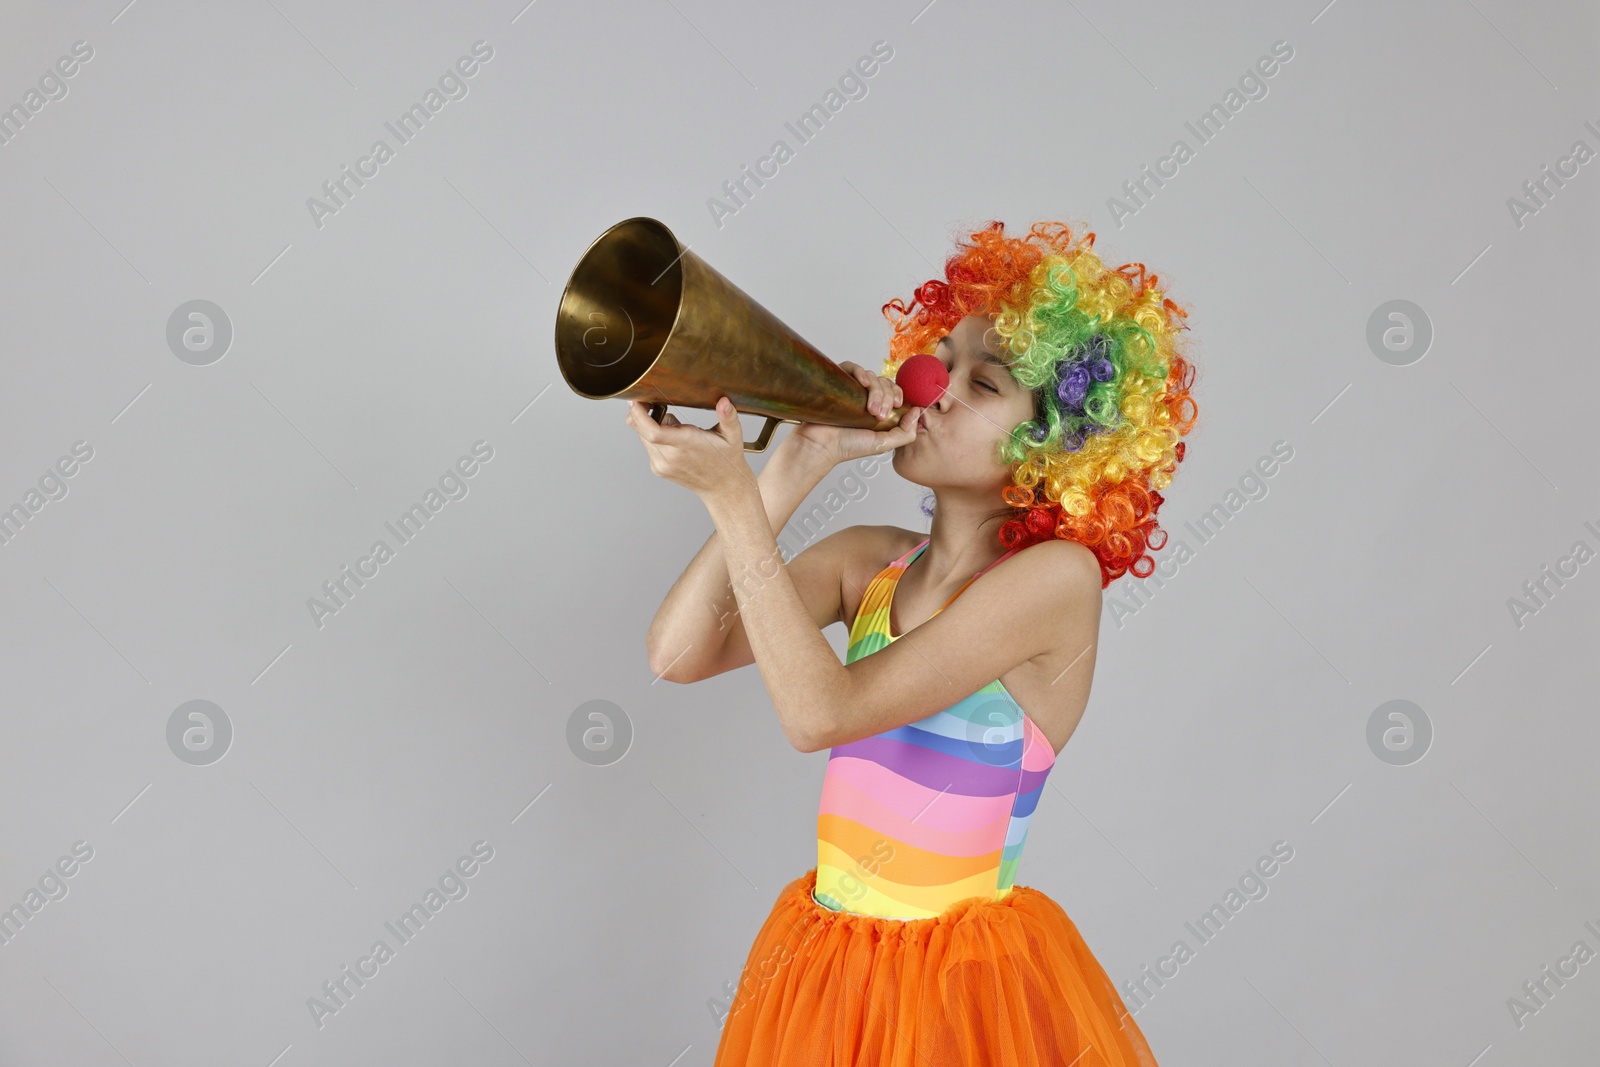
690	633
988	630
699	630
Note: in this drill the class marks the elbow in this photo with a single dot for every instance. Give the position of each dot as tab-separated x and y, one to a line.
674	675
806	744
809	737
668	670
815	726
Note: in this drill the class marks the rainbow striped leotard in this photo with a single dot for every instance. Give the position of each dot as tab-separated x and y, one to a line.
932	812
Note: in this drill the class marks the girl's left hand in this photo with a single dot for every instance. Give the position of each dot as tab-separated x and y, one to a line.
708	461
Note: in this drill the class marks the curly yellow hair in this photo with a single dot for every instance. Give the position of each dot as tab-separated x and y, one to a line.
1099	348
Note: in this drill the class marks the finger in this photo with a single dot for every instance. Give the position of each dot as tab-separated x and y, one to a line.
906	431
646	427
642	423
728	420
885	396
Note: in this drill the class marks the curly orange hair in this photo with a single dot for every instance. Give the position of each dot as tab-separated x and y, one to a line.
1099	348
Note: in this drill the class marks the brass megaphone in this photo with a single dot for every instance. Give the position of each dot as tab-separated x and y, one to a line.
644	318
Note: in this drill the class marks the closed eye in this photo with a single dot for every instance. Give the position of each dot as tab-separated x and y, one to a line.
950	365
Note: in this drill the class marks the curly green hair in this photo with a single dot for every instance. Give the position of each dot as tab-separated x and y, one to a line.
1099	349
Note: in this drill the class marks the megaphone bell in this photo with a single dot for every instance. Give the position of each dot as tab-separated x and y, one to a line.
644	318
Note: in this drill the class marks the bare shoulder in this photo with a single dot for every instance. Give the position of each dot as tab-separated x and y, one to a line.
1071	571
862	545
873	548
1057	582
1060	561
864	551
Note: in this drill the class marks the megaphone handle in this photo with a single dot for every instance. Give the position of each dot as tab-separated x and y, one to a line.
763	438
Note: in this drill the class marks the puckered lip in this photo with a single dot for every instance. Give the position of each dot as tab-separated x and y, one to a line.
922	431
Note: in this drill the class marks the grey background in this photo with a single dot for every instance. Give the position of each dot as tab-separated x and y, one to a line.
1229	712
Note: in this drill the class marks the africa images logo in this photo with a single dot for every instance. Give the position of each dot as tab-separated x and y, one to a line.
1252	85
338	991
452	86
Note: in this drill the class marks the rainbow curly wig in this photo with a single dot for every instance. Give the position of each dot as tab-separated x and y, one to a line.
1099	348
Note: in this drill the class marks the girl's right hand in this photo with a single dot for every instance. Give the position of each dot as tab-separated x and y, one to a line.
827	446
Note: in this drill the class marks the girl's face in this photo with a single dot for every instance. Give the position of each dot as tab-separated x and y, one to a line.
958	443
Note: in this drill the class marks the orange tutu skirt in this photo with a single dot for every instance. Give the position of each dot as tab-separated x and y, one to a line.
996	983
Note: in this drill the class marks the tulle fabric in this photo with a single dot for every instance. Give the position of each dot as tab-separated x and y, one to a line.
987	983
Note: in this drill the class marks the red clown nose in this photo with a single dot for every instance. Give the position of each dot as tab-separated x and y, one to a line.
922	380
